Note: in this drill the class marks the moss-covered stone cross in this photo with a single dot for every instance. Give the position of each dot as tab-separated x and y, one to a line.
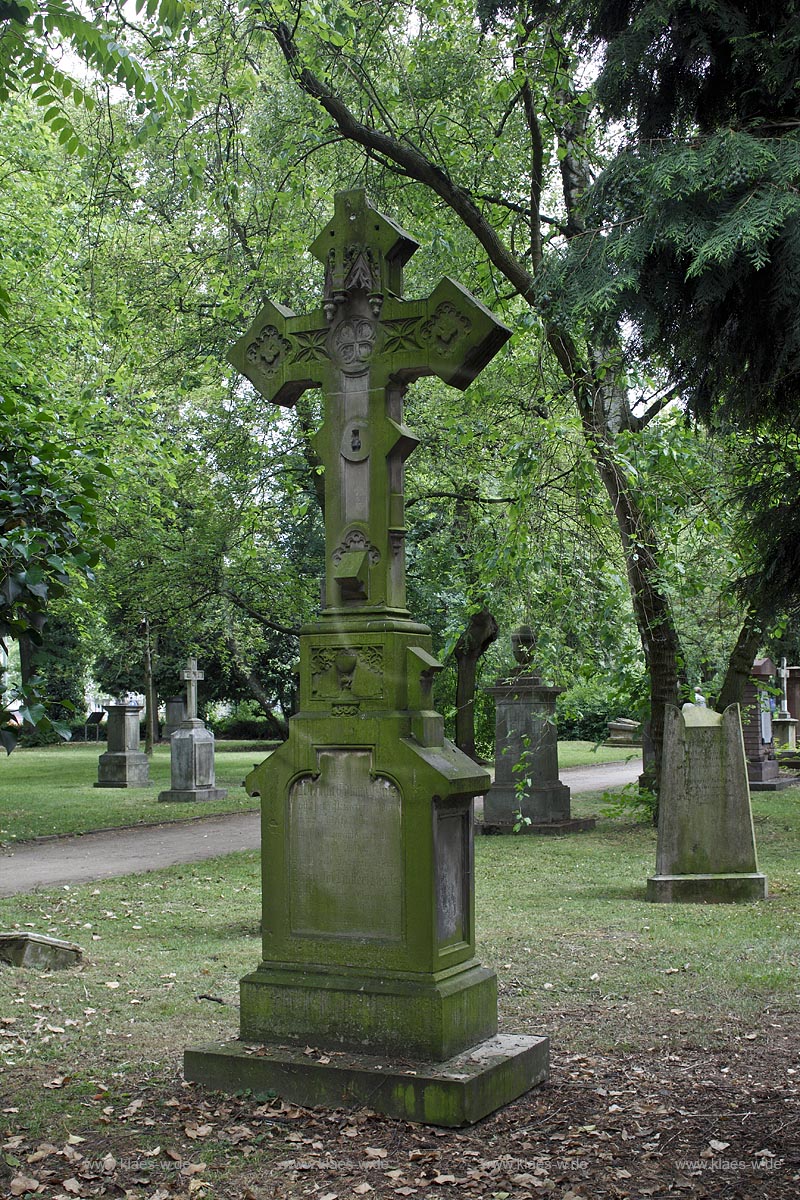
363	346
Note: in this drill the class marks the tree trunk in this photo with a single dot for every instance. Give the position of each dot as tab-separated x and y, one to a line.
27	651
476	639
150	697
651	608
740	663
278	726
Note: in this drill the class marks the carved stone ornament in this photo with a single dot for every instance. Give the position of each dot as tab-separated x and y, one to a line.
355	540
352	343
268	350
445	327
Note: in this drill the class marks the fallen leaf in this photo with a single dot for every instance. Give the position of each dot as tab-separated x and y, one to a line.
13	1143
109	1163
23	1183
193	1169
132	1108
57	1082
112	983
74	1140
362	1188
444	1179
72	1186
718	1146
197	1131
43	1151
375	1152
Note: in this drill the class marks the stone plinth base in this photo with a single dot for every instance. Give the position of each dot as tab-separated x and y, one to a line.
194	794
774	785
429	1019
706	889
544	804
37	950
123	769
762	770
542	828
459	1091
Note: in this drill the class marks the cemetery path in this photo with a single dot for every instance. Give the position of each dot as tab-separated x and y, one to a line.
113	852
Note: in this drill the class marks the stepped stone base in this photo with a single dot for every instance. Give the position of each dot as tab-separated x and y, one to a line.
459	1091
707	889
194	794
774	785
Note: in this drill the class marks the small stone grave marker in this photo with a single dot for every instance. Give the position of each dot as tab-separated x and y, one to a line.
38	950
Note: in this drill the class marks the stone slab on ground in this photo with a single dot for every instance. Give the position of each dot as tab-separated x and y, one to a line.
459	1091
39	951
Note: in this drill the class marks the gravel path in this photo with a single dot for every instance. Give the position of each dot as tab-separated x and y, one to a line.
53	862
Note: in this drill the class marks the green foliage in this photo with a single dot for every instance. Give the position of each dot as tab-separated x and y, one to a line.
27	32
631	801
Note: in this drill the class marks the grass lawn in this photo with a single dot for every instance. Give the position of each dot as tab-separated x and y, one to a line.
674	1032
51	791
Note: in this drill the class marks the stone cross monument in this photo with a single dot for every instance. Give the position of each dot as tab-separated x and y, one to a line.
191	751
191	674
368	936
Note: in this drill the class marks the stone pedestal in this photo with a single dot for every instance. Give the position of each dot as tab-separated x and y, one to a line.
763	770
784	733
123	765
706	844
175	716
192	764
368	923
527	792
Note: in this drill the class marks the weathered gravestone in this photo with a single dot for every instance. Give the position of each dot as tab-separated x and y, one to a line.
123	765
191	751
527	795
706	845
175	715
367	857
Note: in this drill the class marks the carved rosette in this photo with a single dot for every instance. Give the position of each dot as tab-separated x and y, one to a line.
445	328
268	351
352	343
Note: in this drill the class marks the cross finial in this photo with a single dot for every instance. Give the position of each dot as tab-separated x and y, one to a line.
191	674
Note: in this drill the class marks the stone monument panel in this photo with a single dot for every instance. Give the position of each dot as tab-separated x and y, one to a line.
346	823
452	835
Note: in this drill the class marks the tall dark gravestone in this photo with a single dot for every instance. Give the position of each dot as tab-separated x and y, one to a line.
367	859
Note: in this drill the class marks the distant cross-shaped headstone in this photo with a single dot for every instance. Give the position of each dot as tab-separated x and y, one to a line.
191	674
783	675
